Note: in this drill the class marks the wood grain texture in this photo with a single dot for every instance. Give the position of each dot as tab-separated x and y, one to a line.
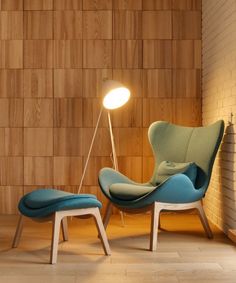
38	4
157	4
38	113
97	5
38	83
67	170
38	24
127	24
11	54
150	113
186	83
127	54
38	142
157	54
67	54
8	5
68	4
132	78
11	141
125	148
97	54
9	199
190	107
38	171
11	83
187	5
68	112
187	24
93	80
54	56
129	116
67	24
96	164
128	5
38	54
68	142
11	25
157	25
11	112
97	24
157	83
131	166
68	83
187	54
8	176
91	110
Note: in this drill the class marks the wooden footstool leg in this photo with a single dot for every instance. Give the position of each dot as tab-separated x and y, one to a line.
55	237
18	232
101	231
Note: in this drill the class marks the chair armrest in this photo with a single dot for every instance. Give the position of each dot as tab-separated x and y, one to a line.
177	189
109	176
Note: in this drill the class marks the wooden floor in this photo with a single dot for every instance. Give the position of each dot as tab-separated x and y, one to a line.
184	253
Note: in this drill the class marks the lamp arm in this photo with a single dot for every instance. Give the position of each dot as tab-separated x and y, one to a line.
112	142
90	150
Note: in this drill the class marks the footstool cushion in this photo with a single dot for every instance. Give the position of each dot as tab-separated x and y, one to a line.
43	202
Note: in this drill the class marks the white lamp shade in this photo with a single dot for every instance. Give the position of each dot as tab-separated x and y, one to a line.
115	94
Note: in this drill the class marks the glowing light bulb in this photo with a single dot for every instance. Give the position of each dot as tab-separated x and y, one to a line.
115	94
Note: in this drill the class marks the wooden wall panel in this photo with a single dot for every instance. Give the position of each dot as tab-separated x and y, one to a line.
11	5
11	25
38	54
97	24
11	83
38	4
157	54
127	24
157	25
54	56
38	24
127	54
97	5
38	83
67	24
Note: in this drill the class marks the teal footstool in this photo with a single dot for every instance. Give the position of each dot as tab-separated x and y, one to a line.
54	205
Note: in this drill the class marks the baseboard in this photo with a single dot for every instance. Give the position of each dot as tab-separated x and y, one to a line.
232	235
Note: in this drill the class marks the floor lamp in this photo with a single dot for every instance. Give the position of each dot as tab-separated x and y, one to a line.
115	95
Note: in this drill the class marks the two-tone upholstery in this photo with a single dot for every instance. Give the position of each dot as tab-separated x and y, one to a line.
44	202
173	143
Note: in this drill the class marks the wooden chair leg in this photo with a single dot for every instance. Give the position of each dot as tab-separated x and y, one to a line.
154	226
64	226
18	232
107	215
204	221
55	238
102	232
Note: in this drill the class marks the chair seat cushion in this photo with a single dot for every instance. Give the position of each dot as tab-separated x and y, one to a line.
43	202
129	191
44	197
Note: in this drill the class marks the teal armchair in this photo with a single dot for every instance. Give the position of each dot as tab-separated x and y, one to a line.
170	143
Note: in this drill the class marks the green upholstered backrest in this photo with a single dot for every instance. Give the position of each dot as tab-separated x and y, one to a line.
186	144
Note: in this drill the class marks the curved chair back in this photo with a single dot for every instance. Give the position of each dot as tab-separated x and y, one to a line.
186	144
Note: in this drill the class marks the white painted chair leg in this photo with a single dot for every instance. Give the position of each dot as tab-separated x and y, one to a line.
64	226
107	215
154	226
204	221
18	232
101	231
122	218
55	238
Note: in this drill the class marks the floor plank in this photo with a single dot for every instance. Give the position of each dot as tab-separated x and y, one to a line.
184	254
